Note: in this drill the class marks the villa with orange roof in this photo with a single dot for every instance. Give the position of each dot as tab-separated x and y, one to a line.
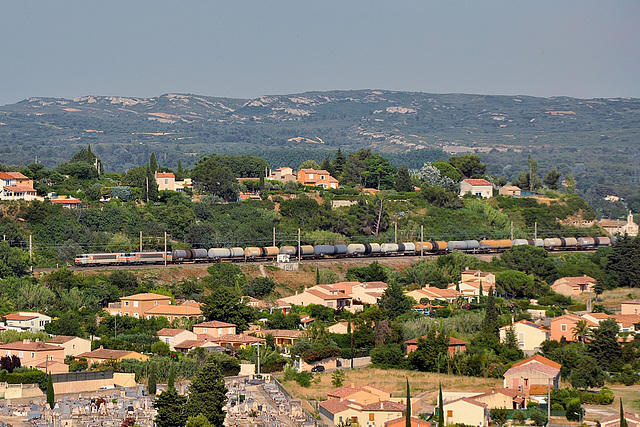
317	178
564	326
148	305
214	328
282	337
476	187
530	336
466	411
630	307
33	353
16	186
572	286
455	345
435	293
26	321
172	337
360	404
534	371
167	181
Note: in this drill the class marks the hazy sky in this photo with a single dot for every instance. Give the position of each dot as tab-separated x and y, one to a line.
246	48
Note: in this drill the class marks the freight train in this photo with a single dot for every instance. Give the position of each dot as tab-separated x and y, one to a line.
255	253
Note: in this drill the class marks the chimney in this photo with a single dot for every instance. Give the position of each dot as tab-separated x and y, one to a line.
101	347
26	341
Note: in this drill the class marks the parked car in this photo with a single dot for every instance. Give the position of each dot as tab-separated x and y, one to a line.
318	368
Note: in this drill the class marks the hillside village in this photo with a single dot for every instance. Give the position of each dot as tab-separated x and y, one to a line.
517	283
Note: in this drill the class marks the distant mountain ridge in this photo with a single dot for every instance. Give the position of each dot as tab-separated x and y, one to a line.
125	130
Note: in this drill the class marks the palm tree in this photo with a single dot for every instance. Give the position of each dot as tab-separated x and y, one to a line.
580	330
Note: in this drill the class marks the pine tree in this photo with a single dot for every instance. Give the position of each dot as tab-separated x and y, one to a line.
152	380
408	412
51	398
403	181
153	163
170	406
339	162
207	394
317	276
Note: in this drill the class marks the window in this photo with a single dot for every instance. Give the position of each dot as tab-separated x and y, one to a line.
155	303
126	303
563	328
8	353
166	340
33	354
135	304
166	181
526	382
136	315
21	355
371	416
449	413
340	420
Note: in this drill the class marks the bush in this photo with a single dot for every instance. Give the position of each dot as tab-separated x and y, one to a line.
519	416
304	378
388	356
538	416
574	410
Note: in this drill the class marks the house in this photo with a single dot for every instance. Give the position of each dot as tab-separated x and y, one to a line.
529	335
325	295
564	326
510	190
504	398
167	181
466	411
335	412
148	305
632	419
360	394
616	226
283	337
630	307
339	328
102	355
434	293
317	178
214	328
627	323
32	353
476	187
536	370
72	345
229	340
477	275
175	336
16	186
571	286
378	413
455	345
27	321
64	201
284	174
53	367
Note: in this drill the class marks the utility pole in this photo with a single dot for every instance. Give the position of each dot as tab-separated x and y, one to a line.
258	345
31	252
535	231
147	181
511	230
140	240
549	402
395	232
299	255
274	236
165	248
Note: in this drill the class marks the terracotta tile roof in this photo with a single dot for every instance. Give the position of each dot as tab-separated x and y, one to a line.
175	310
633	301
540	359
277	333
189	344
318	171
49	363
345	391
60	339
169	332
66	201
244	339
633	420
165	175
573	318
372	387
613	222
538	390
214	324
579	280
20	188
17	175
19	317
386	406
526	323
146	297
30	346
107	354
468	400
478	182
627	320
334	406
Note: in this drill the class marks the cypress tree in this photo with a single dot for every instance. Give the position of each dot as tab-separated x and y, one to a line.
317	276
153	163
440	408
623	420
179	172
408	412
172	377
152	380
207	394
490	322
51	398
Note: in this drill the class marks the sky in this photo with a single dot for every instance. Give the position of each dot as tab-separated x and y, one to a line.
250	48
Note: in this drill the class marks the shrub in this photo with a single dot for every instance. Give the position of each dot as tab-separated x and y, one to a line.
519	416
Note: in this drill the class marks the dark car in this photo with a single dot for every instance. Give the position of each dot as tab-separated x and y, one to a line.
318	368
